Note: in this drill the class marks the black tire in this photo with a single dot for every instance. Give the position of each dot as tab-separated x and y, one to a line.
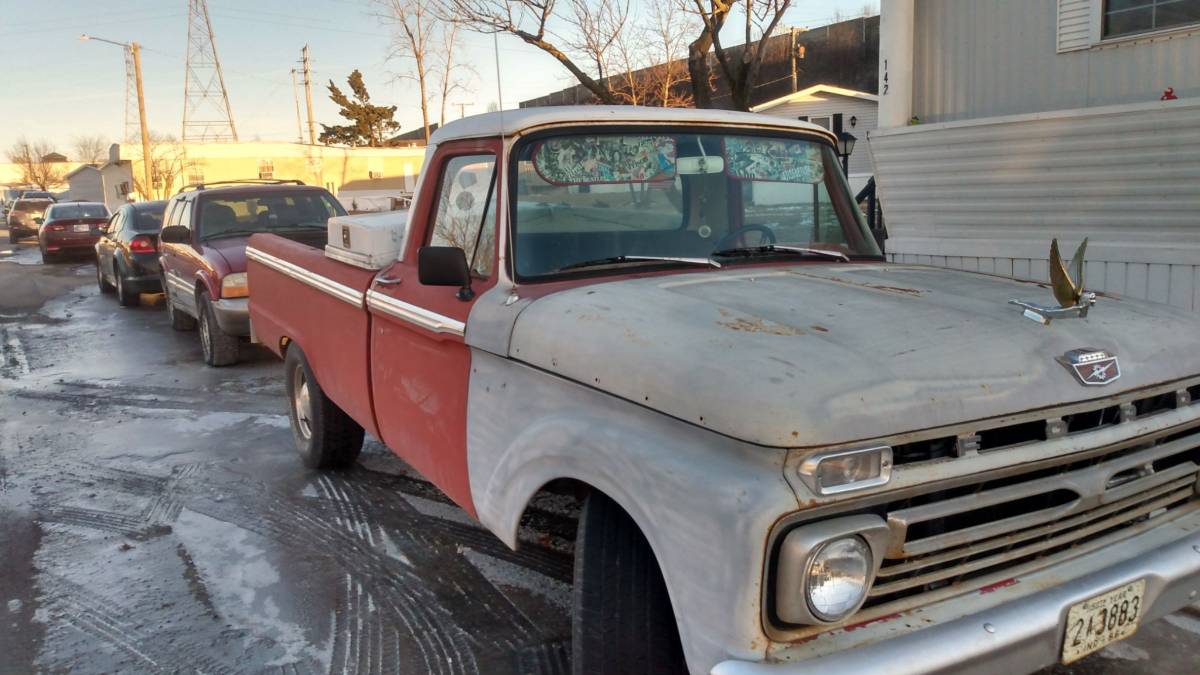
13	237
105	287
326	437
47	257
622	620
219	349
125	295
179	321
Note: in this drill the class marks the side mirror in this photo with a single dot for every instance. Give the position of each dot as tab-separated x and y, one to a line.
444	266
175	234
39	220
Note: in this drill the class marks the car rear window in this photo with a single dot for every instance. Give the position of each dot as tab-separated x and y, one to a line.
31	206
63	211
147	220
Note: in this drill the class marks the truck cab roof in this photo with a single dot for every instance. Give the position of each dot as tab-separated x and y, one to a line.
512	122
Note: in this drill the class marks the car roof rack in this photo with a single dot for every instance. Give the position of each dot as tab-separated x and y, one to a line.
243	181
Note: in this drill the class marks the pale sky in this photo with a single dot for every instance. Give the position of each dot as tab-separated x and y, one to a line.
55	87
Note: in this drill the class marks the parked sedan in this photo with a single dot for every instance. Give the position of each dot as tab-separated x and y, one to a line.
127	252
70	227
23	217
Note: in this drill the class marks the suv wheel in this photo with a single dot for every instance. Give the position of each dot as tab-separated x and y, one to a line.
125	295
623	621
105	287
179	320
219	349
326	437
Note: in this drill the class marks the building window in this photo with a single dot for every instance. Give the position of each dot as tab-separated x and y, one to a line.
823	121
374	175
266	169
1130	17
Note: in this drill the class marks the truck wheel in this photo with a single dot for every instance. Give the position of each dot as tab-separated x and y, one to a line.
105	287
179	321
326	437
219	349
125	296
622	620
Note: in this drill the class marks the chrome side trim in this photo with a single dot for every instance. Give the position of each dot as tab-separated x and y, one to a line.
413	314
324	284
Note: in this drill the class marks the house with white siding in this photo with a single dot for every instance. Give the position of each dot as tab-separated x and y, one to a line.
824	105
1005	123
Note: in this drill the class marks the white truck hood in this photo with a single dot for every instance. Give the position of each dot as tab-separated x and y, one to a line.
812	355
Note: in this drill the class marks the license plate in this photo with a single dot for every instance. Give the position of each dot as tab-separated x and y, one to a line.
83	227
1102	620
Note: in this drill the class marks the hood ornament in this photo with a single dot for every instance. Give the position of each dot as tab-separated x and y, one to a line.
1067	284
1092	367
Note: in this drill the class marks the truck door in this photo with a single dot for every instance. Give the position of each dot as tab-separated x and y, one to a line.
420	364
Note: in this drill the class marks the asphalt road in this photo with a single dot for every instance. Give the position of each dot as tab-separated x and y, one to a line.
154	518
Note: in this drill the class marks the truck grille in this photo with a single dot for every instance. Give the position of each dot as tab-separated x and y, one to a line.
952	536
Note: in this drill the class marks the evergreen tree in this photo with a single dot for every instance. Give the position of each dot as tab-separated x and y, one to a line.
370	125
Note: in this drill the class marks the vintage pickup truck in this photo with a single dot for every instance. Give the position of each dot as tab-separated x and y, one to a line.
793	456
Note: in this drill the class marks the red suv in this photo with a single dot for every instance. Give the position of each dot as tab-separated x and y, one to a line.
202	251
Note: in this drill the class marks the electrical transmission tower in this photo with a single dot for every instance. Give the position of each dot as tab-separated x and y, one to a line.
206	112
133	130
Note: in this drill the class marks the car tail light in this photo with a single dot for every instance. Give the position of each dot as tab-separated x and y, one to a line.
141	244
56	228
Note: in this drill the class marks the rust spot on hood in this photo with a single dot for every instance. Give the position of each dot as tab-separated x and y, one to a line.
757	325
863	624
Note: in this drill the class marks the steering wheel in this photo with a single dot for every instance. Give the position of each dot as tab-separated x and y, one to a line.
731	239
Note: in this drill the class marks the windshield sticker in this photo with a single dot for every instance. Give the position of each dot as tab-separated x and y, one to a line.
586	160
772	159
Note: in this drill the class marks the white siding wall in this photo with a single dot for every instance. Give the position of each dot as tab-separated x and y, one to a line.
978	58
865	110
87	184
990	194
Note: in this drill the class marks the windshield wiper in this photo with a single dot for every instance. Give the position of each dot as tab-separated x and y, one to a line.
776	248
230	233
619	259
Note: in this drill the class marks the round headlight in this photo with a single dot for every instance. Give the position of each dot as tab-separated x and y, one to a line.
837	578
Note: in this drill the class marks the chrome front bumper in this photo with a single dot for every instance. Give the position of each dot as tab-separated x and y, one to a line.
1021	630
233	316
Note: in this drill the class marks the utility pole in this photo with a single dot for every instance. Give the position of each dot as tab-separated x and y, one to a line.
299	124
147	168
134	51
312	129
462	109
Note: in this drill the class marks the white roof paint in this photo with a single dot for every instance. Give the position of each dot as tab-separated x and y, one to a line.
809	93
512	122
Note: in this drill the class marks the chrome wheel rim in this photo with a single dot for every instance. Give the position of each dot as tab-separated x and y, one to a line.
302	403
120	286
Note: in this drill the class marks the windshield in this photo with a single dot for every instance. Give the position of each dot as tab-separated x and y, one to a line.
622	197
64	211
237	215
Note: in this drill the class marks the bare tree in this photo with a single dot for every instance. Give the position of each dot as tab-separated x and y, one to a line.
91	149
650	58
413	29
168	159
530	21
762	17
452	73
37	168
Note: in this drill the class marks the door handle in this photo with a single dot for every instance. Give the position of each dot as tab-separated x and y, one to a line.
388	281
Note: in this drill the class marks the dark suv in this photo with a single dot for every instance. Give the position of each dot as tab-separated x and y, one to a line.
202	249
